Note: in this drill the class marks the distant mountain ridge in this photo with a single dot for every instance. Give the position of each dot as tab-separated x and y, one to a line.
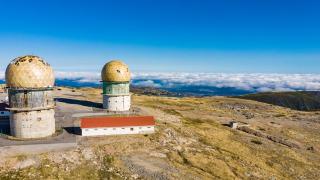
181	90
299	100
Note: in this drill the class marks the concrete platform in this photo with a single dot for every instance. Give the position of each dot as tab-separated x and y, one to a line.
64	137
9	151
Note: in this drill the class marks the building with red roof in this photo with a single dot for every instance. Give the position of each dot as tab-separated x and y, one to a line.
107	125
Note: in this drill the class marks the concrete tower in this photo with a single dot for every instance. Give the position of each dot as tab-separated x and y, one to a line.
116	81
30	83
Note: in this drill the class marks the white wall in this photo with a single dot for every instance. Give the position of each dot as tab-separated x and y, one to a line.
32	124
117	103
117	130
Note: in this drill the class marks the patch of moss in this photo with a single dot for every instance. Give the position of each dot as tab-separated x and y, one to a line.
256	141
21	157
50	170
193	121
172	112
280	115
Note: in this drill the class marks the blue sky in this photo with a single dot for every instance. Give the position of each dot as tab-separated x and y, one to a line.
230	36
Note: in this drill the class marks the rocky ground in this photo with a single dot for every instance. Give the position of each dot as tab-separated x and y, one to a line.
192	141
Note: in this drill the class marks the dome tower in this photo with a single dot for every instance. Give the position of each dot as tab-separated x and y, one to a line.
116	76
30	82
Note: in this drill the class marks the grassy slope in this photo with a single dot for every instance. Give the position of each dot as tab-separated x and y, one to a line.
226	154
305	101
196	145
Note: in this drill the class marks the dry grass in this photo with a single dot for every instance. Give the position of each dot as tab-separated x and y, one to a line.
199	145
236	154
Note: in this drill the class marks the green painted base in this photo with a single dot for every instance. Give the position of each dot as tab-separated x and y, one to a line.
113	88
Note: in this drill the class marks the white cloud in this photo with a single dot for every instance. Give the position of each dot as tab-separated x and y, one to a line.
81	77
252	82
76	75
147	83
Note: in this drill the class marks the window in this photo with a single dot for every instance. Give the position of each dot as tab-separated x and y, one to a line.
131	129
96	129
2	112
105	129
140	127
86	129
114	128
149	127
122	128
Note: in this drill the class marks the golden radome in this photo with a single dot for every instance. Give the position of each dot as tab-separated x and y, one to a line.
115	71
29	72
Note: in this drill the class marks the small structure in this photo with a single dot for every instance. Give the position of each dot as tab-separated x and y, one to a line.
234	124
4	119
98	126
4	112
30	83
115	77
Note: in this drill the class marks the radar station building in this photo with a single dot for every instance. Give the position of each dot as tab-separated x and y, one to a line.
102	126
30	82
116	82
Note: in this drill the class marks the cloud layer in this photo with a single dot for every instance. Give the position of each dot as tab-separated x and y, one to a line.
249	82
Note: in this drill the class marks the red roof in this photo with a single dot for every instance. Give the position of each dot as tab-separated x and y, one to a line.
96	122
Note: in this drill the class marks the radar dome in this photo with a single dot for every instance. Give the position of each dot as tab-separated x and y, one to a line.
115	71
29	72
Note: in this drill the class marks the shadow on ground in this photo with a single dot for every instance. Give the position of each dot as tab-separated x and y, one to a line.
73	130
226	124
79	102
